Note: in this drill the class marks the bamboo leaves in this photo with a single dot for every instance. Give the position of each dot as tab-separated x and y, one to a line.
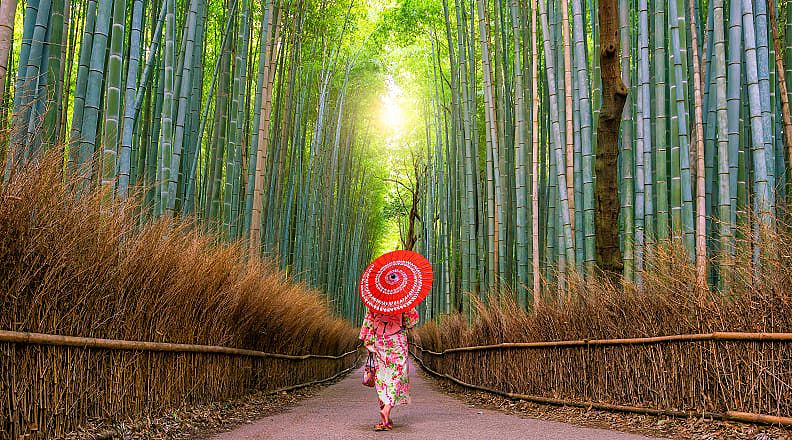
256	121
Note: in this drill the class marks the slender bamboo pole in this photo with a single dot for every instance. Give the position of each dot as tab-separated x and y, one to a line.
112	122
570	153
786	113
535	159
125	150
254	240
116	344
724	178
7	16
701	219
761	188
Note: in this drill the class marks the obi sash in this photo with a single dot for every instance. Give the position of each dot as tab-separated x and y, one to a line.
386	325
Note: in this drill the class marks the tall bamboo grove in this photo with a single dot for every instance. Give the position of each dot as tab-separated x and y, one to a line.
234	112
703	146
248	115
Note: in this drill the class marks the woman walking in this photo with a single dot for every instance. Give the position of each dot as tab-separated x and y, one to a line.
385	337
391	287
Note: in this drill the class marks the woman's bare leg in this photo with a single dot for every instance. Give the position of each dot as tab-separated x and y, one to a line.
385	414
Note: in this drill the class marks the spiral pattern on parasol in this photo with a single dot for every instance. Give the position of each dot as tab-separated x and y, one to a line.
396	282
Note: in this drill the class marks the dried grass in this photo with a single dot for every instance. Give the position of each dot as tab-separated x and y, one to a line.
712	376
79	266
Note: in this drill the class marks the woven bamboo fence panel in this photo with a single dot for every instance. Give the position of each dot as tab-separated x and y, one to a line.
695	374
49	390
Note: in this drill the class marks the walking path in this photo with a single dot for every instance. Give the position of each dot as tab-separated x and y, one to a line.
348	411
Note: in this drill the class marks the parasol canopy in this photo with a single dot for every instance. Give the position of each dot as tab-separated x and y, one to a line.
396	282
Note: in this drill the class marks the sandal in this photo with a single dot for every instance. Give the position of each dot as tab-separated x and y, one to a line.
383	427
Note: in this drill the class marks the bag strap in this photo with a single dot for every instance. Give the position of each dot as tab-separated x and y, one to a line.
370	360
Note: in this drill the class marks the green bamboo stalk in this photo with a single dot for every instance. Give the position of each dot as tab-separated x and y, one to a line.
133	66
24	125
56	45
254	239
764	72
724	191
586	135
761	189
7	15
701	225
189	203
167	134
494	204
91	113
643	172
682	211
628	153
535	189
559	154
112	120
183	106
22	85
568	112
521	193
660	121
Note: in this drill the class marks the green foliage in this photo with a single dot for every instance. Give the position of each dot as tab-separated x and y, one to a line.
345	96
411	20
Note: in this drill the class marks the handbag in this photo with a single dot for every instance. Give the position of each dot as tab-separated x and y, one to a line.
370	371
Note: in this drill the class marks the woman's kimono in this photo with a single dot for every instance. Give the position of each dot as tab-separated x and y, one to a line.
386	334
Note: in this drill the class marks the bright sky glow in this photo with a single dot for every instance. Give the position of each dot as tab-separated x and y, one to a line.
391	115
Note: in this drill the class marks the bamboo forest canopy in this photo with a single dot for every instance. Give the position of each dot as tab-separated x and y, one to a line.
320	133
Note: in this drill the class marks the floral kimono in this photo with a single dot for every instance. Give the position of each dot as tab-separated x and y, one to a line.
386	334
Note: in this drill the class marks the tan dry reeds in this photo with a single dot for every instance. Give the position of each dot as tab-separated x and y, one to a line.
705	376
78	266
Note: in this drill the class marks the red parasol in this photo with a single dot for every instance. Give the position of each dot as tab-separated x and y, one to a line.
396	282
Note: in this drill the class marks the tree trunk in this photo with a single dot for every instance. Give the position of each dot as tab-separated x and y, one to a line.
411	239
614	95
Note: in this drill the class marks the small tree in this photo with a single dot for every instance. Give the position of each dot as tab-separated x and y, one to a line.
409	191
614	95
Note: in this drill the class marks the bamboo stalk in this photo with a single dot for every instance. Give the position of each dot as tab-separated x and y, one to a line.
27	338
535	160
568	111
701	225
700	337
565	229
782	84
761	184
7	14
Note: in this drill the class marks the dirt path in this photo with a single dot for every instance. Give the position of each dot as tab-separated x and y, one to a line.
348	410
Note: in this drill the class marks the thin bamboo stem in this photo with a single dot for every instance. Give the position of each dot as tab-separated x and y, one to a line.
699	337
27	338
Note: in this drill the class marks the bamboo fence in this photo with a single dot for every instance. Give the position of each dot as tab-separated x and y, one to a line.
743	377
50	384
